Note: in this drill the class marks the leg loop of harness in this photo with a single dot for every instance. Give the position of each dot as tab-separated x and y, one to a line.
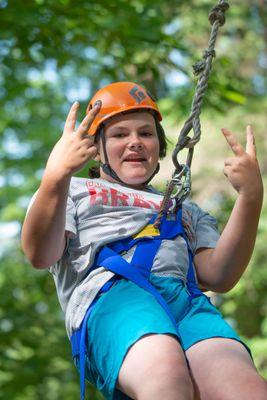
79	338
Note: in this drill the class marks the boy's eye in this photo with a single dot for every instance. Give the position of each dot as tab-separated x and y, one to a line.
119	134
146	134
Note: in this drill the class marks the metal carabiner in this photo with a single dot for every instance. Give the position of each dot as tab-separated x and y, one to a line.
182	183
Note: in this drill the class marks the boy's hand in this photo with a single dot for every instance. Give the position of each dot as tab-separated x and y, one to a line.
242	170
75	148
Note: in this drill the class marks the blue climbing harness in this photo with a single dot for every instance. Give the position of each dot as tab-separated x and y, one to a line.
137	271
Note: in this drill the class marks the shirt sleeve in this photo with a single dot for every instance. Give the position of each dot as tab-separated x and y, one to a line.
200	226
71	217
207	234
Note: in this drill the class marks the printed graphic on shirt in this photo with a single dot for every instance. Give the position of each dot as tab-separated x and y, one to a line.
110	196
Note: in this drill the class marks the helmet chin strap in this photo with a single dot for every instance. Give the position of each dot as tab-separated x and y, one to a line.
107	168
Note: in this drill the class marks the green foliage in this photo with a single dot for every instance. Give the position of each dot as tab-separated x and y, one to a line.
35	352
55	52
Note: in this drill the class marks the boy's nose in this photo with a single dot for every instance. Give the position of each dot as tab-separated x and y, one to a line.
135	142
135	145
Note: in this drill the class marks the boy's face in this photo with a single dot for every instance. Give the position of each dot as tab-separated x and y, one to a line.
132	146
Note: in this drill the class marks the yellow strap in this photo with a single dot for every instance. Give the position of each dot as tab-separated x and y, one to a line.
149	230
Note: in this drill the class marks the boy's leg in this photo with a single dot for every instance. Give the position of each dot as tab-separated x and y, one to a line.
155	368
223	370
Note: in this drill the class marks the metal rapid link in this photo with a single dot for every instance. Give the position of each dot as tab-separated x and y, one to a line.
177	191
181	184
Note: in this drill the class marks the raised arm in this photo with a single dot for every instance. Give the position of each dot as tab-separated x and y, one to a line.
220	269
43	231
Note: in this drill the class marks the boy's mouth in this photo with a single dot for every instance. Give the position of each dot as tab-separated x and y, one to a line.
134	159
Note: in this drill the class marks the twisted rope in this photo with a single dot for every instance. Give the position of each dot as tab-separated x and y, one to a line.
202	68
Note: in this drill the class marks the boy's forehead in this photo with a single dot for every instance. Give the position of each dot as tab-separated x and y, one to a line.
142	117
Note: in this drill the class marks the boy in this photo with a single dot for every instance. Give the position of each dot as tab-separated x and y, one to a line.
137	346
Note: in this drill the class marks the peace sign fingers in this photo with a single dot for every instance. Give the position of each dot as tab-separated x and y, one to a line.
242	170
236	147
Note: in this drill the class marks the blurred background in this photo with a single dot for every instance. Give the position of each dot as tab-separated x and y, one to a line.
55	52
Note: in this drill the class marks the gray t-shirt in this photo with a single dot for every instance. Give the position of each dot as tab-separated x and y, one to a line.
100	212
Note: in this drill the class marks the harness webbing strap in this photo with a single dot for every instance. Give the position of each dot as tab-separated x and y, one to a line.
119	266
191	284
144	255
78	339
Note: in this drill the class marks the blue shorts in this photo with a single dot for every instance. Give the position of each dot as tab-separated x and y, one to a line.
126	313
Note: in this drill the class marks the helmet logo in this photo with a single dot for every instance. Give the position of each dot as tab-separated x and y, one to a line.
137	94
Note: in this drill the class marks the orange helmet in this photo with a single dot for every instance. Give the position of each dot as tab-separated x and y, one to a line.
120	97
